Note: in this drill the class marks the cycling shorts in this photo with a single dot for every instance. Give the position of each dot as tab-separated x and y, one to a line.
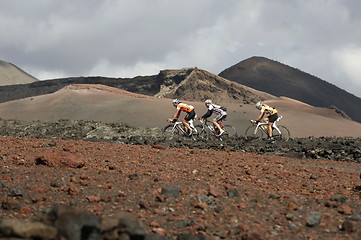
220	117
191	115
273	118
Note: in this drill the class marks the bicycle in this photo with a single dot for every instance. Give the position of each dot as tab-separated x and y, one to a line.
177	130
260	129
206	130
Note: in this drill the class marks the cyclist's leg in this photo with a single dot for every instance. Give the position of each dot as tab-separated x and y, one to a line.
271	120
188	117
217	122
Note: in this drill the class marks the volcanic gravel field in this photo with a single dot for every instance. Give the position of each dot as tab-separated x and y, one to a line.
88	180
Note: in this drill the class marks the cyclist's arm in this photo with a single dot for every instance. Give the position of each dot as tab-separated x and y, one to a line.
207	114
177	113
260	117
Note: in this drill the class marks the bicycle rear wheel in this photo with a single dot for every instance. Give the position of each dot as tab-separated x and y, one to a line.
202	133
251	134
284	135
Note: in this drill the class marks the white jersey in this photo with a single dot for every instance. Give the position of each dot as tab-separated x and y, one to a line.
216	109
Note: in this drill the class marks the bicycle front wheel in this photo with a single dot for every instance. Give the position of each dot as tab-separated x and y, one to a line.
171	132
251	133
284	134
230	132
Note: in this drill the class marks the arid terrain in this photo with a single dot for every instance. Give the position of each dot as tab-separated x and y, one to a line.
89	161
175	189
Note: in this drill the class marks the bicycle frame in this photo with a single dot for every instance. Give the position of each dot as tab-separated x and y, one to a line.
179	125
209	126
261	125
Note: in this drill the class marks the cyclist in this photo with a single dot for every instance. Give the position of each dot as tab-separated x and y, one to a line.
270	119
219	111
189	109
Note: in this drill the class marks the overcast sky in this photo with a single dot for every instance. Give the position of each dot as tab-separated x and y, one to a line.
127	38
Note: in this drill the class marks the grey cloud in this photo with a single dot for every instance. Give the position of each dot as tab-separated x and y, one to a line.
76	37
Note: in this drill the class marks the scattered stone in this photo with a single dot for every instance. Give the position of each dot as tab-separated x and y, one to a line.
347	226
314	219
331	204
64	159
292	206
347	210
339	198
16	192
133	176
170	192
290	217
213	191
160	147
2	184
122	226
273	196
34	230
251	236
93	199
232	193
356	218
73	224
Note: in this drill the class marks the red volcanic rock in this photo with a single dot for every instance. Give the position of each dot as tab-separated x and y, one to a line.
93	199
179	193
64	159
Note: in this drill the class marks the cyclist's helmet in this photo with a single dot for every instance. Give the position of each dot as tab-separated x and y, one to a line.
258	105
208	101
176	102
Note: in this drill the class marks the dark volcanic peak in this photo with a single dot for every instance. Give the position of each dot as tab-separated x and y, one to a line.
198	85
281	80
11	74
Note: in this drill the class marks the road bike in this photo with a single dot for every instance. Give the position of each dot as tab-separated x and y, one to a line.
260	130
206	130
176	130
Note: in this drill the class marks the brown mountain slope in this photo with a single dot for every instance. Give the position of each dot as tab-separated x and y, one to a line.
107	104
281	80
10	75
199	85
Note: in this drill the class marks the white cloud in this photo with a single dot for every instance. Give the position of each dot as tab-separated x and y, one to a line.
106	69
348	62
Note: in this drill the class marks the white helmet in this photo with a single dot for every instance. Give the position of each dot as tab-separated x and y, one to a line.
208	101
258	104
176	102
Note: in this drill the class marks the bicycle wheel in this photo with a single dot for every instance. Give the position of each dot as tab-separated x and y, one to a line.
250	133
202	133
230	132
284	134
171	132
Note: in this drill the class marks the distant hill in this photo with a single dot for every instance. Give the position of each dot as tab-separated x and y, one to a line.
11	74
281	80
187	84
106	104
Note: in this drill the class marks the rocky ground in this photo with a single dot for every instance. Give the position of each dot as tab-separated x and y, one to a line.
91	180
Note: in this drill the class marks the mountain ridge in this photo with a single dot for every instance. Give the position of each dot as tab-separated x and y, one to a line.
282	80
